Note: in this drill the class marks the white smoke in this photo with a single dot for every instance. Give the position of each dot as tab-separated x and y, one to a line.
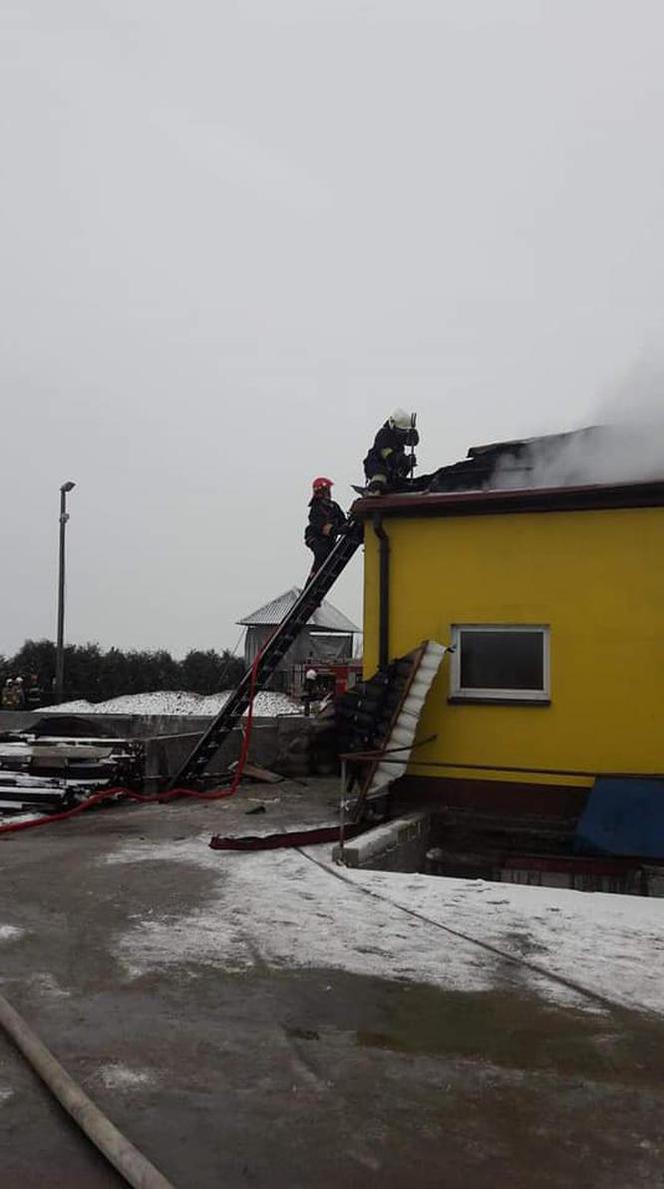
626	447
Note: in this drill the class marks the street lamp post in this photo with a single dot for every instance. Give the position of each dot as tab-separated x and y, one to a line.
60	647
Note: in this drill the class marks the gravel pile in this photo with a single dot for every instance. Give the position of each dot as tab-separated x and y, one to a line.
267	704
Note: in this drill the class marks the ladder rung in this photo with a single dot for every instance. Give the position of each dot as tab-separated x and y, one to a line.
275	649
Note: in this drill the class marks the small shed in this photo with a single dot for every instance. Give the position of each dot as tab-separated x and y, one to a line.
327	639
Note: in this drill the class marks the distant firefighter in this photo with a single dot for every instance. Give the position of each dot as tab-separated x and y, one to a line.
13	697
309	689
391	460
33	694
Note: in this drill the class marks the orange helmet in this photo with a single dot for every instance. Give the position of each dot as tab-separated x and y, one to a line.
321	484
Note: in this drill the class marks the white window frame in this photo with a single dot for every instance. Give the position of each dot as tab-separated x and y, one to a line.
466	694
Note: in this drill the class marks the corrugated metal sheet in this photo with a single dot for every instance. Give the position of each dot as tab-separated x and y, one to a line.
327	617
403	732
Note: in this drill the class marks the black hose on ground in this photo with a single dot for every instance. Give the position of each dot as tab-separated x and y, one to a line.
514	959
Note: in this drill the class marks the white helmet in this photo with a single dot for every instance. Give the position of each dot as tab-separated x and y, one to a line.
400	419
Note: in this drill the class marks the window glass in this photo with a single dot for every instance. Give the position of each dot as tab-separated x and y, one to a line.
508	660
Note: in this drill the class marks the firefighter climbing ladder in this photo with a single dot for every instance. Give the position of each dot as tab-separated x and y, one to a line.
273	652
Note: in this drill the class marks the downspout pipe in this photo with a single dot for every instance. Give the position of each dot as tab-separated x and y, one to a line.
383	590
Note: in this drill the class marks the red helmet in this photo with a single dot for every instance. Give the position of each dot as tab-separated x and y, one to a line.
321	484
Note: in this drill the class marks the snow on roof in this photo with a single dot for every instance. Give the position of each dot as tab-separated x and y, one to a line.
327	617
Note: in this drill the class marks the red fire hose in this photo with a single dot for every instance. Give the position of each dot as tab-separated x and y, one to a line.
130	795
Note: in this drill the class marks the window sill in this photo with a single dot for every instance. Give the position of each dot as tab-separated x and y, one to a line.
468	700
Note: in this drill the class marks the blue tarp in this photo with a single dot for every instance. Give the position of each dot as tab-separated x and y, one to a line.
623	816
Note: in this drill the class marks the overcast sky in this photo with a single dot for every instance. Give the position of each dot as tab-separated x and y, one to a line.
234	235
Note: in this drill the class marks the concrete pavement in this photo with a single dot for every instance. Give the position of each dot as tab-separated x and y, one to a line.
291	1075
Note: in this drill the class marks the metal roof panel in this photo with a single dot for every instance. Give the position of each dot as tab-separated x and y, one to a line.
327	617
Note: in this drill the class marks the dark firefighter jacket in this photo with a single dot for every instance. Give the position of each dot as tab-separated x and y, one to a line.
322	512
388	454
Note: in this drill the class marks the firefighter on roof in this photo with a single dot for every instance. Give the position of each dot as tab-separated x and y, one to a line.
391	460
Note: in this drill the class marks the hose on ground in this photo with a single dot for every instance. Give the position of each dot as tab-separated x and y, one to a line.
170	795
129	1162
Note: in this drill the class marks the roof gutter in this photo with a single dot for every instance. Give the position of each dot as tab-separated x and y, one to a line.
383	590
494	502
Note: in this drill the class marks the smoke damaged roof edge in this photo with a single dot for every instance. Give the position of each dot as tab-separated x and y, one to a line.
505	500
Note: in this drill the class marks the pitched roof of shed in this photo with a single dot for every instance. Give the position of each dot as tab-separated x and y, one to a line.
327	618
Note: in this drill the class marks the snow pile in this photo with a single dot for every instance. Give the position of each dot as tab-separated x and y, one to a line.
162	702
280	908
10	932
117	1076
12	817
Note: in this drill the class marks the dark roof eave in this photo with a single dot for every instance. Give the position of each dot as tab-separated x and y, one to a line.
536	499
310	627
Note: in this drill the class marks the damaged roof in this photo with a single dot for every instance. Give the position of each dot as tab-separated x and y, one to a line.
327	618
478	471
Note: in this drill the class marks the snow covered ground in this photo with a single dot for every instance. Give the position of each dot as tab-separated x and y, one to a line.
266	705
279	908
7	816
10	933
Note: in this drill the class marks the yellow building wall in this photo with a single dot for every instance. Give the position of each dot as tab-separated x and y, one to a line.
595	577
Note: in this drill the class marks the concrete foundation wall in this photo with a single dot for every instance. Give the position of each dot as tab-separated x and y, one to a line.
281	744
290	745
18	720
397	846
